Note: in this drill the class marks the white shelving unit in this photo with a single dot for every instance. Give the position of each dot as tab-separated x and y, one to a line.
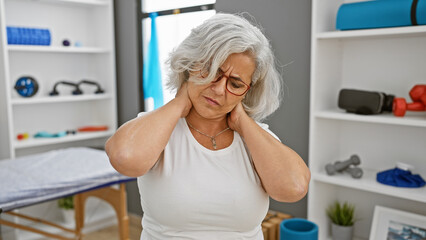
91	23
389	60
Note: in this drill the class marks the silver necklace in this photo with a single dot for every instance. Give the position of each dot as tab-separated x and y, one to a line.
212	138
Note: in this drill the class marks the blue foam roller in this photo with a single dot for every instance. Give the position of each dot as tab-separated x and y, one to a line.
381	14
421	12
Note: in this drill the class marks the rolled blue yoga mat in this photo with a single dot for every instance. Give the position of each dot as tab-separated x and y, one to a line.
298	229
381	14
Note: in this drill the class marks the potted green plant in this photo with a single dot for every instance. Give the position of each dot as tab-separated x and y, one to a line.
67	206
342	220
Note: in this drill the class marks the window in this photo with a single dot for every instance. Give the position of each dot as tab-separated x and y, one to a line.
172	29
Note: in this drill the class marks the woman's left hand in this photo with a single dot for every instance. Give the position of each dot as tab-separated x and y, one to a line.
236	116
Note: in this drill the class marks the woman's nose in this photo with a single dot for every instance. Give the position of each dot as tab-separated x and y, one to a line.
219	87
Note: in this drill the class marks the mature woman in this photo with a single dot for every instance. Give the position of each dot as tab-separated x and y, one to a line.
205	164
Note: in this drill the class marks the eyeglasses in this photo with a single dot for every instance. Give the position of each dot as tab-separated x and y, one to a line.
234	85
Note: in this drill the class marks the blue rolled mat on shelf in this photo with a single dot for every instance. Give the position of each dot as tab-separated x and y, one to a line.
28	36
381	14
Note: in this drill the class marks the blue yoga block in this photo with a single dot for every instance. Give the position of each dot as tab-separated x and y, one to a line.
298	229
379	14
13	35
45	37
28	36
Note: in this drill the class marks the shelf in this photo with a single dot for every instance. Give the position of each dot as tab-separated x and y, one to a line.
381	58
412	31
411	119
51	49
73	2
368	183
60	99
34	142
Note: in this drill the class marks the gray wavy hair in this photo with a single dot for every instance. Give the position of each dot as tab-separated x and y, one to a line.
209	45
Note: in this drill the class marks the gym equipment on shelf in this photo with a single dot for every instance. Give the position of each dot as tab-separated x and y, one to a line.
418	93
76	91
92	128
66	43
400	107
346	166
73	132
400	176
28	36
22	136
98	90
364	102
44	134
370	102
339	166
355	172
26	86
380	14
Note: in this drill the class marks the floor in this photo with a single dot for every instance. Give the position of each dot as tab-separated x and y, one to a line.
111	233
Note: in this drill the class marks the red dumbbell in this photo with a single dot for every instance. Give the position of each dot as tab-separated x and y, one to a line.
418	93
400	106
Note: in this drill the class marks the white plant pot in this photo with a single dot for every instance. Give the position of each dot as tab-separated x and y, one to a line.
68	217
341	232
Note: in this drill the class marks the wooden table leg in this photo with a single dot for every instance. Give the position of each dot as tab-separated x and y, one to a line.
123	218
115	197
79	203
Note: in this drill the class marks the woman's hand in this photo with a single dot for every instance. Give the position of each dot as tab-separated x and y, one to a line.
283	173
183	98
236	116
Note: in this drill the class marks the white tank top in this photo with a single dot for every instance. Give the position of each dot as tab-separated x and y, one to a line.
196	193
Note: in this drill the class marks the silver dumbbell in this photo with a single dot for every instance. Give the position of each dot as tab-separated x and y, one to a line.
338	166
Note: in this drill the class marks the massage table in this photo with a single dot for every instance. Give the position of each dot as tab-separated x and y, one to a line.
82	172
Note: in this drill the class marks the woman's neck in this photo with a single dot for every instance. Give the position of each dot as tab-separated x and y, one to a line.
207	125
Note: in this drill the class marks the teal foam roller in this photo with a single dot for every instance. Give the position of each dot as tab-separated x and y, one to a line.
381	14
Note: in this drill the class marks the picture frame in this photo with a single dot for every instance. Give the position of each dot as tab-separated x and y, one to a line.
392	224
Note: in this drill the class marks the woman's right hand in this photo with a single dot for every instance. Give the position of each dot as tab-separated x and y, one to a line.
183	98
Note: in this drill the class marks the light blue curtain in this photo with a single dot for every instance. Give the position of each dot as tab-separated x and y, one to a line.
152	88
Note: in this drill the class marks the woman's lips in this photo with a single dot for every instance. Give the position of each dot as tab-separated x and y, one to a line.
212	101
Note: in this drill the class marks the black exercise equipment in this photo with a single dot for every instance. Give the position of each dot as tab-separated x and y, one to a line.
365	102
76	91
98	90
